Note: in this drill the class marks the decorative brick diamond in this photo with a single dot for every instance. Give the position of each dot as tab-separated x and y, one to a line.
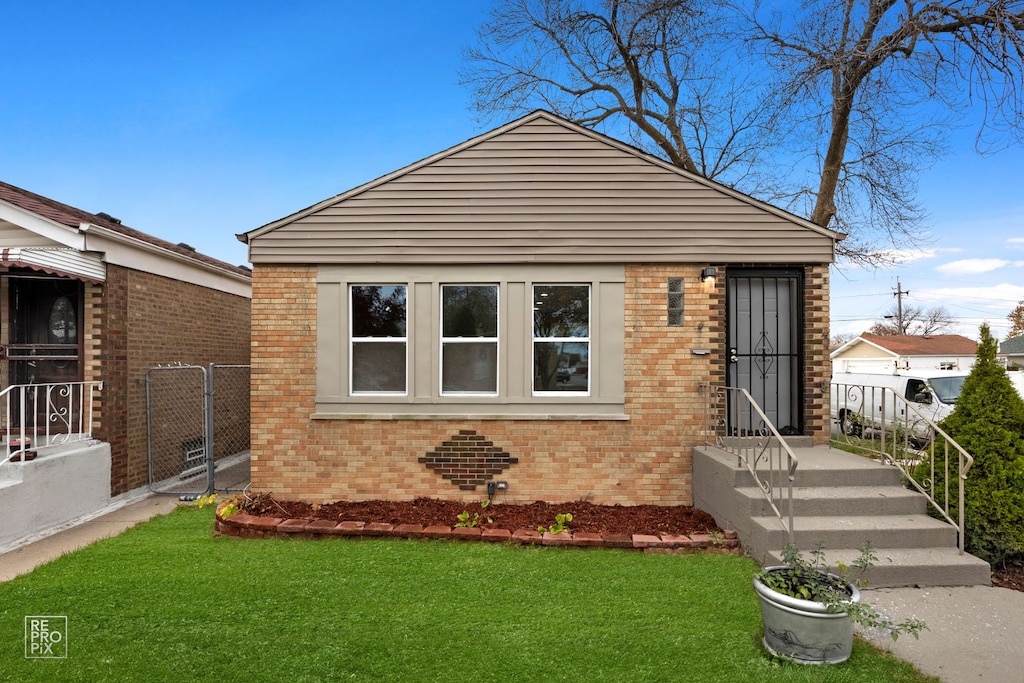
468	459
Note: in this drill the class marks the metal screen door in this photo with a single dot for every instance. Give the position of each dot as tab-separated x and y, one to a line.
764	322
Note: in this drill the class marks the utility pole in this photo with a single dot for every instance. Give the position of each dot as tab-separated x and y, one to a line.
899	306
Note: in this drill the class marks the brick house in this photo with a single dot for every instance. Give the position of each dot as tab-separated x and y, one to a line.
85	298
541	305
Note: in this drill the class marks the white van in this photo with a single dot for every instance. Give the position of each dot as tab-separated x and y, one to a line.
933	394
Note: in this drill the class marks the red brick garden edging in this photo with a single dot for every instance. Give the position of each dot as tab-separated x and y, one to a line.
244	525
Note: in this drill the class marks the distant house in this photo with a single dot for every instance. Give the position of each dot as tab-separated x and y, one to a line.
541	305
84	298
1012	352
889	353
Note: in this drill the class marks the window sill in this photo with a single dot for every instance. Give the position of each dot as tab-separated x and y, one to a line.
559	417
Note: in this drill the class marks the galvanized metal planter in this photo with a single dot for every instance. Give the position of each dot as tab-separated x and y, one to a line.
804	631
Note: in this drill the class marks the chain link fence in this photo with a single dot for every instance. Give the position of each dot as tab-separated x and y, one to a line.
191	412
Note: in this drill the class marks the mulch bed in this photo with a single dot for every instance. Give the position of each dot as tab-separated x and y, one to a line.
1011	576
586	517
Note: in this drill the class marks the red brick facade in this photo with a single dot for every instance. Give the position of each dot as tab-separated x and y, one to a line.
645	459
136	321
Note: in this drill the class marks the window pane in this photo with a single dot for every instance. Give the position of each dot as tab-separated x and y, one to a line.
561	311
469	367
470	310
561	366
63	327
378	366
378	311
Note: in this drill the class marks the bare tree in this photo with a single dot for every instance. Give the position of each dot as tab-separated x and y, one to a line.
860	71
838	80
659	66
1016	320
914	320
840	338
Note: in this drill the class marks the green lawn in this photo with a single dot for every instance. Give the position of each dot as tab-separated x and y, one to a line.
167	601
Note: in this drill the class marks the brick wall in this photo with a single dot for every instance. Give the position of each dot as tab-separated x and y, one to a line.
646	459
817	362
146	320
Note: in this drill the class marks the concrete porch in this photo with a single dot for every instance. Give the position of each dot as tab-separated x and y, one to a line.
842	500
61	484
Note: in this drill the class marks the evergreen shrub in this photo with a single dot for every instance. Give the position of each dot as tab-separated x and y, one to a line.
988	423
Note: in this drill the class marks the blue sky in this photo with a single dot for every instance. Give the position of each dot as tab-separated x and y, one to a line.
196	121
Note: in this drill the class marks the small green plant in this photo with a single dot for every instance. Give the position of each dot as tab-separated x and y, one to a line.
225	512
560	525
203	501
814	580
468	521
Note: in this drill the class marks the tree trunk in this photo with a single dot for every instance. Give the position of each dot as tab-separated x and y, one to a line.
825	202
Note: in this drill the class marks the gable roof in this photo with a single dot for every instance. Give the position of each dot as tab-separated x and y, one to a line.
541	190
923	345
75	218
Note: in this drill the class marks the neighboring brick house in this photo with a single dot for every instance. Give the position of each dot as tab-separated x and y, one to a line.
537	305
84	298
874	353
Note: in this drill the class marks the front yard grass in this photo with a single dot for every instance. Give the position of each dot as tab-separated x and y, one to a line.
167	601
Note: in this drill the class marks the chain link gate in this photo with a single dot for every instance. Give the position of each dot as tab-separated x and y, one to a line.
192	411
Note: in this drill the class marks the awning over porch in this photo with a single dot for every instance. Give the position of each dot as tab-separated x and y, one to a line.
63	261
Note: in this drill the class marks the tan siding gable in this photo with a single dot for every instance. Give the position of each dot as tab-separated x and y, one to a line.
541	192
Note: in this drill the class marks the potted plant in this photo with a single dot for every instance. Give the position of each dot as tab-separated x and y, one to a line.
809	611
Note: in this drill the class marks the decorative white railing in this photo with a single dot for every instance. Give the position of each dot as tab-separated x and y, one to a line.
35	416
739	426
878	422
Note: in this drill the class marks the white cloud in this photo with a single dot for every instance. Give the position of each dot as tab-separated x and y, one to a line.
911	255
1017	242
972	266
893	258
981	298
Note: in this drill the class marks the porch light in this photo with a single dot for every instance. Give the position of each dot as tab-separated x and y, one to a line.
707	276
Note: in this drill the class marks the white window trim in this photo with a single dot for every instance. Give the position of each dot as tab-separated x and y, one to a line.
555	340
469	340
353	340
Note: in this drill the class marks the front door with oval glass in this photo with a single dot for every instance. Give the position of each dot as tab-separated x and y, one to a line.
44	340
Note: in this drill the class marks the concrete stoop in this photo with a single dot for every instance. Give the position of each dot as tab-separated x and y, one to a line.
841	500
60	485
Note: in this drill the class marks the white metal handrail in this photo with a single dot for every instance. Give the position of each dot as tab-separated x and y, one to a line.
879	421
742	428
39	415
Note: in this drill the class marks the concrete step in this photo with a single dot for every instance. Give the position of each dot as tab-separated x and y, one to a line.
910	567
818	466
883	531
840	500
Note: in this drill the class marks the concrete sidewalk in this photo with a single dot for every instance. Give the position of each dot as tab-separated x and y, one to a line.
27	557
233	475
974	632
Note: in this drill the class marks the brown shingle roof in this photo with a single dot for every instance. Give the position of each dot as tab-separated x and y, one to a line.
72	217
924	345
